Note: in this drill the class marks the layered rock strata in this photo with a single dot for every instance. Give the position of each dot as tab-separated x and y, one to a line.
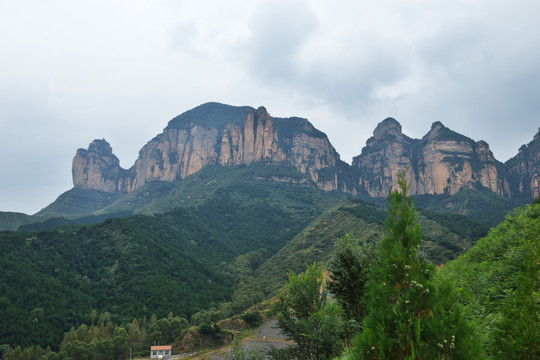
443	161
213	134
524	169
97	168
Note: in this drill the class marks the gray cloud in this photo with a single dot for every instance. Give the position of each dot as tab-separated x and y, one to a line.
278	29
74	71
282	50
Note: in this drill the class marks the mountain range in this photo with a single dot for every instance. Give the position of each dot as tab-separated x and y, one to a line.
443	162
232	196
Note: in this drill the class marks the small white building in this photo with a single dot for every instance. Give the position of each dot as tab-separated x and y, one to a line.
160	352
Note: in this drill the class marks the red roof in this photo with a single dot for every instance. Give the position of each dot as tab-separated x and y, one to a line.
161	347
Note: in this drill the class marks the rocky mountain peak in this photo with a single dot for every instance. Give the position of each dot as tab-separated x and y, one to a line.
96	168
261	112
524	169
214	134
482	149
442	162
437	125
435	130
438	132
211	114
388	126
101	147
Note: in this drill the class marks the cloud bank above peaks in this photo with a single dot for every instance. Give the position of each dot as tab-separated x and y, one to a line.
73	71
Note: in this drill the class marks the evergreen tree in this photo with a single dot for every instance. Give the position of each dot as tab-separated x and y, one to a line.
349	270
405	320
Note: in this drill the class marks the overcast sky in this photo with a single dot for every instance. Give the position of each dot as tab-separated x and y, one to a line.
73	71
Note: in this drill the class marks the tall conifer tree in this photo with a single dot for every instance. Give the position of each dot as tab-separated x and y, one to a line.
405	320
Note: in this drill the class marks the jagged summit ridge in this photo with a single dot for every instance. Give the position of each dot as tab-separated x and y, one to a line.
388	126
215	134
441	162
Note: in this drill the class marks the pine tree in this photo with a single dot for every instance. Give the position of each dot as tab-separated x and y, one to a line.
349	270
405	320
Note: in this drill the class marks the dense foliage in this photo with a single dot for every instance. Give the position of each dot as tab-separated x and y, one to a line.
128	267
12	220
307	316
485	302
481	204
229	246
102	339
182	260
498	281
349	272
444	239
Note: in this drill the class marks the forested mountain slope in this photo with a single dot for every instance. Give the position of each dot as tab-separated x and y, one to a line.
445	237
146	264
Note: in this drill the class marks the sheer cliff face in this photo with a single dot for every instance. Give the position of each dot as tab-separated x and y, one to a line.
524	169
180	152
97	168
212	134
441	162
386	153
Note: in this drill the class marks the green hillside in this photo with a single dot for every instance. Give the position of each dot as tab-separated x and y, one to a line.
225	234
148	264
130	267
479	204
277	184
445	237
498	281
76	202
12	220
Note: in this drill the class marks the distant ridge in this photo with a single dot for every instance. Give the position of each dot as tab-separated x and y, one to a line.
442	163
216	134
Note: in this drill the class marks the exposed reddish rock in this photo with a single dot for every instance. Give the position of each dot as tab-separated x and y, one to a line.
524	169
97	168
190	143
441	162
